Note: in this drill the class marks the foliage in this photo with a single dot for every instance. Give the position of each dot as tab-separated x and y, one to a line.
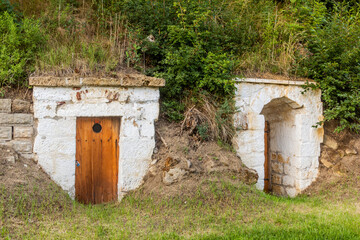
173	110
6	6
20	45
332	39
203	131
195	45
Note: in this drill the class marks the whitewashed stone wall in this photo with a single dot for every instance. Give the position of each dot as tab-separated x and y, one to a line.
56	110
294	142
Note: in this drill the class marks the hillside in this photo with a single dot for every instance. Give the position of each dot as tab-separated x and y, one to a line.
195	47
196	186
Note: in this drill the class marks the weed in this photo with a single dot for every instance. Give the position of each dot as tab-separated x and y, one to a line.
202	130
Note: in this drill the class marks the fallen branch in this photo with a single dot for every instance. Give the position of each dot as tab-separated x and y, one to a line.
162	139
186	116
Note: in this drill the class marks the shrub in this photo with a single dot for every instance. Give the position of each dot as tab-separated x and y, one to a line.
332	38
20	45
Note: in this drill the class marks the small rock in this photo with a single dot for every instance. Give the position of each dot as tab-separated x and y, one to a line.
156	150
152	170
25	165
341	153
10	159
326	163
170	162
330	142
173	175
154	162
189	164
350	151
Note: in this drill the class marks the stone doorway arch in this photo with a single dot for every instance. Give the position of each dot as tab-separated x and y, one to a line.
294	142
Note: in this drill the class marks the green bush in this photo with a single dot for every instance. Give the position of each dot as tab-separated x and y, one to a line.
21	43
333	41
198	44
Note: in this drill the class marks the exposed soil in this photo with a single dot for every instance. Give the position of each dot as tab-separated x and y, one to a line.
340	167
18	172
17	93
187	161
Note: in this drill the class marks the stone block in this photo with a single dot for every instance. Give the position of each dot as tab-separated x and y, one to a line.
310	173
22	146
260	171
54	94
325	162
11	159
291	191
288	180
6	118
5	133
44	108
144	94
173	176
350	151
249	141
100	94
84	109
137	149
52	146
309	149
17	118
64	172
59	128
23	131
256	122
253	159
23	118
277	167
289	170
20	106
5	105
27	155
278	190
147	129
276	178
150	110
303	183
273	156
122	79
130	127
302	162
330	142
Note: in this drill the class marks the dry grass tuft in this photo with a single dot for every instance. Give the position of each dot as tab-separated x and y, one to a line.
209	120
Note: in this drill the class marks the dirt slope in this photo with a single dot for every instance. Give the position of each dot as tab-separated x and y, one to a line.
181	162
339	165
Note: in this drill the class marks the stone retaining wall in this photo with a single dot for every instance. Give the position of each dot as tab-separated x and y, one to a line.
16	126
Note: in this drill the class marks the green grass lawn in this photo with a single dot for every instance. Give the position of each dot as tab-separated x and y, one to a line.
218	210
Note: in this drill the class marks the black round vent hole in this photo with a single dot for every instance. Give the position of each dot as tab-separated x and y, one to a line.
97	128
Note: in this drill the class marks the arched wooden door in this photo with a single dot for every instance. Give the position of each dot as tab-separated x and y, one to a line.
97	159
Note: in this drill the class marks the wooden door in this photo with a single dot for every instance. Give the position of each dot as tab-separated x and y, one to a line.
97	159
267	162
